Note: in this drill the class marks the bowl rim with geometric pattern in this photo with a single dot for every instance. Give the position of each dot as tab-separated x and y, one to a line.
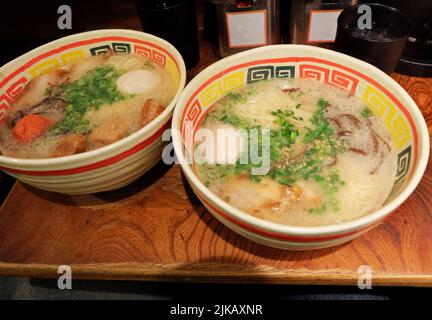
221	69
84	38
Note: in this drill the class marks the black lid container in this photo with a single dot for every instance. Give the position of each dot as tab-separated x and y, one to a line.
416	59
381	45
174	21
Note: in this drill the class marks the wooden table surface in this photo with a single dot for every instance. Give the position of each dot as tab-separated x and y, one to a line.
157	230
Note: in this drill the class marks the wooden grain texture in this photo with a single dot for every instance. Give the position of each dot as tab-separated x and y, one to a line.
157	230
420	90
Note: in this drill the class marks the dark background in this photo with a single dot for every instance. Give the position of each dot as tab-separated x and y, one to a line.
26	25
14	288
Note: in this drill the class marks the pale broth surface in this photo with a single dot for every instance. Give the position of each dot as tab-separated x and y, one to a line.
338	166
121	93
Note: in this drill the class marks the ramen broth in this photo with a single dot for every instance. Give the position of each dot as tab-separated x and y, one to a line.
331	159
84	106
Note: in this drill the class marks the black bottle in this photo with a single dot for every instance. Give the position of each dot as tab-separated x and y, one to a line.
174	21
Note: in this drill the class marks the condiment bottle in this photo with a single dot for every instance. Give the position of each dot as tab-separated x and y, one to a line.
313	22
243	25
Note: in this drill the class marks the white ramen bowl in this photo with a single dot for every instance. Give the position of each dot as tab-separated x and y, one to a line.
382	94
112	166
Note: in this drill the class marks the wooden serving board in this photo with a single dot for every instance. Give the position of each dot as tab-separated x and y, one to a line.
157	230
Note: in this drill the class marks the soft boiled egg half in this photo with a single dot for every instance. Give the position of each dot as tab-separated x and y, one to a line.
221	144
138	81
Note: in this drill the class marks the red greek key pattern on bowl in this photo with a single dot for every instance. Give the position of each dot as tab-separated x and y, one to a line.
194	112
153	55
309	71
143	51
11	94
192	118
331	76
